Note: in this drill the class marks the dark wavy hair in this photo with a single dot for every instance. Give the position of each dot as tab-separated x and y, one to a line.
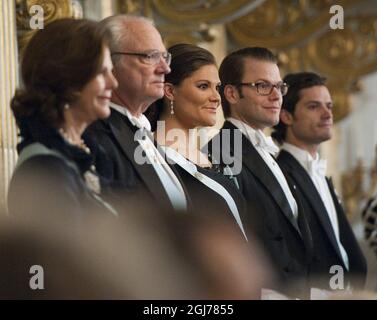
186	59
231	70
57	63
296	82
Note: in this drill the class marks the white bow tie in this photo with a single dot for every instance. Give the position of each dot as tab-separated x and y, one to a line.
266	143
317	167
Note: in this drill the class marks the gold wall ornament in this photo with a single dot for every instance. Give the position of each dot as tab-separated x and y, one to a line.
210	11
297	59
351	52
52	10
131	7
352	188
341	101
359	184
344	56
334	52
193	34
174	38
365	27
284	24
191	21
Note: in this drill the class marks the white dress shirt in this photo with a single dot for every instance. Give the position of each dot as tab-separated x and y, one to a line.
167	177
265	147
316	168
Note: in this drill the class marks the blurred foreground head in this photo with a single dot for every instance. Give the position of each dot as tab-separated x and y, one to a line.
138	257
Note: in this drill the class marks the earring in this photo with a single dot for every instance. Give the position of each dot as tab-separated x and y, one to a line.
171	107
66	106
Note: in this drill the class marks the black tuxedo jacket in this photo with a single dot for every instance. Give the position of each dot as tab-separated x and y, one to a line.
326	250
122	178
286	241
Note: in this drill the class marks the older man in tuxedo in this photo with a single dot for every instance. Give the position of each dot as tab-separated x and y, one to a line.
135	171
305	122
252	92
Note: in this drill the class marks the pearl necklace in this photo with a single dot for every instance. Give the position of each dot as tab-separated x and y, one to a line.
90	176
81	144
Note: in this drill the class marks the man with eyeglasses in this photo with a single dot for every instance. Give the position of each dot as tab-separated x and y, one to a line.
305	122
135	172
252	92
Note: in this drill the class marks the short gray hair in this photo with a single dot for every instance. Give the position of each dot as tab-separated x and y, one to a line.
117	26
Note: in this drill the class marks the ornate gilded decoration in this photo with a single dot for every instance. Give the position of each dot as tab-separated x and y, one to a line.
352	187
282	24
52	10
210	11
356	188
281	20
188	21
337	51
342	56
130	6
188	34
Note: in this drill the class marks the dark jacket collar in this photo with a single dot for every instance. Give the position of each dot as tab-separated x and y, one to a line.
302	179
34	130
255	163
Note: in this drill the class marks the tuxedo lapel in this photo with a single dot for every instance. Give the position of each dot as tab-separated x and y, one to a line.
338	207
305	183
255	163
357	261
124	132
333	194
302	219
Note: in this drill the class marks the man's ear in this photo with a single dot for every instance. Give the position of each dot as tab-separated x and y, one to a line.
286	117
231	94
169	90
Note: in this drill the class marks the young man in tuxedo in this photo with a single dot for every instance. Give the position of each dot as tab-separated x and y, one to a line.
252	92
135	172
306	121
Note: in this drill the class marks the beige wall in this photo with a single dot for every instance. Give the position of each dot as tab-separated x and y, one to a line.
8	82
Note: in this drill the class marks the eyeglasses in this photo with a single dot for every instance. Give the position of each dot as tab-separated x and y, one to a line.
265	88
152	57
